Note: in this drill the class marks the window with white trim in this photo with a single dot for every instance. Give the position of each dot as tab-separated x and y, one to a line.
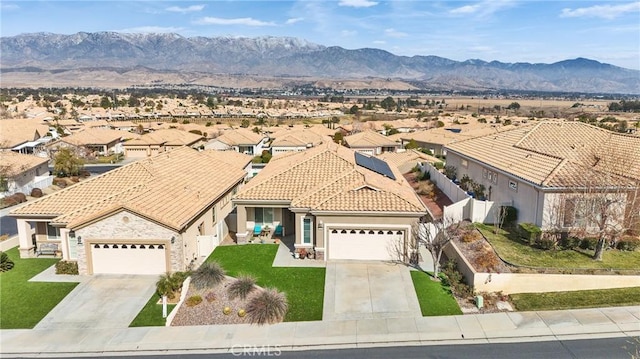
513	185
307	230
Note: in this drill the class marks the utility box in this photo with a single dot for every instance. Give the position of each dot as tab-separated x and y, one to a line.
479	301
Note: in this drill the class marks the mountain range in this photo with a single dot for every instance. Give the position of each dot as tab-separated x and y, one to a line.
145	57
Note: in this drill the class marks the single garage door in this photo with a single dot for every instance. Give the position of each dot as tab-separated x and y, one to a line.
129	258
365	244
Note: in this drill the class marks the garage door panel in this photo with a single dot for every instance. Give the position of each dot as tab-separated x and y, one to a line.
108	258
364	244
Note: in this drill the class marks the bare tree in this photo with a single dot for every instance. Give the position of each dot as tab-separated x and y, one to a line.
606	199
435	236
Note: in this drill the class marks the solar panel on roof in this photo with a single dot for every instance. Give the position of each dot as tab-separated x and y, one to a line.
374	164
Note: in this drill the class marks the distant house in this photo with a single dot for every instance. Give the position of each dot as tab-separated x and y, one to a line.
287	140
240	140
22	173
157	215
159	141
92	142
337	202
407	160
371	143
544	170
26	136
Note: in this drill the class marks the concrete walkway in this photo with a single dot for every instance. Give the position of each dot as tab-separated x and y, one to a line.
461	329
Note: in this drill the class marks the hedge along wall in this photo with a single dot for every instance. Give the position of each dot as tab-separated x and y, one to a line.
533	282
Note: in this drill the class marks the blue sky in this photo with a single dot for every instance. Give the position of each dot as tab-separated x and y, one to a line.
503	30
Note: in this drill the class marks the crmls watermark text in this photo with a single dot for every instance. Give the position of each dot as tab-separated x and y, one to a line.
255	350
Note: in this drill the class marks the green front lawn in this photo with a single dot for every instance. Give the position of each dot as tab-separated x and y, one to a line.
434	298
23	304
516	252
304	287
151	314
576	299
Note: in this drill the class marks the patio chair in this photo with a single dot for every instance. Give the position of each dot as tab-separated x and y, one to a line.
257	230
278	231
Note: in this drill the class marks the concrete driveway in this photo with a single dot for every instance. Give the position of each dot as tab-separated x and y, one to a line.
101	301
368	290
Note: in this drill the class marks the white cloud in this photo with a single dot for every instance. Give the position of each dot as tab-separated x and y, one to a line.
395	33
357	3
8	7
294	20
151	29
467	9
184	10
482	8
608	12
247	21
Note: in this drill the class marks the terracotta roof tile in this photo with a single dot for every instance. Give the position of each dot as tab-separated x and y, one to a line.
168	137
169	188
556	154
326	178
240	137
95	136
369	139
15	163
14	132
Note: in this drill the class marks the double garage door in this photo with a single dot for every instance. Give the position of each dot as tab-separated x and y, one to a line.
365	244
128	258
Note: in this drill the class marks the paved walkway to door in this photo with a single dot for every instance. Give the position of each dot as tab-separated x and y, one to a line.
368	290
101	302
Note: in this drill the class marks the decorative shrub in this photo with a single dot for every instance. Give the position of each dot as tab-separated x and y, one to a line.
20	197
241	287
628	244
530	233
67	267
74	179
210	297
9	201
510	215
569	242
589	243
5	262
439	165
455	279
193	300
226	310
242	313
426	189
269	306
546	243
60	182
451	172
208	275
36	192
487	261
169	283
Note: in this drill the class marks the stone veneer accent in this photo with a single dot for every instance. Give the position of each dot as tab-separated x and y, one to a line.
132	228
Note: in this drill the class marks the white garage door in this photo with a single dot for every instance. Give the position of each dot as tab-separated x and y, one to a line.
365	244
110	258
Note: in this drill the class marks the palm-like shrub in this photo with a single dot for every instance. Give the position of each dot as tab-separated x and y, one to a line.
208	275
269	306
241	287
169	283
5	262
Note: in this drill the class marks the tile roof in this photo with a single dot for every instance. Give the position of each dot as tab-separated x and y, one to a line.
240	137
369	139
557	154
326	178
15	163
406	160
14	132
168	137
444	135
95	136
297	138
170	188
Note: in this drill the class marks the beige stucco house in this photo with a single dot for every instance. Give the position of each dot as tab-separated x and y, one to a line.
155	215
547	170
371	143
159	141
339	203
22	173
92	141
240	140
295	140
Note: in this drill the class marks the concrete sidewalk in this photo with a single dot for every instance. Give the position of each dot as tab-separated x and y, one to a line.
461	329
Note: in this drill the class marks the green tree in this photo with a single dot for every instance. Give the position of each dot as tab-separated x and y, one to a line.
338	137
513	106
354	110
411	145
388	103
66	163
245	123
105	102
